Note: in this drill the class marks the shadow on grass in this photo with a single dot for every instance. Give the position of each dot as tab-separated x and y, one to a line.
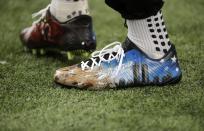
120	88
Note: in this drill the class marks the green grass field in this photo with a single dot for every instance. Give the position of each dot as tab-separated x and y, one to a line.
30	101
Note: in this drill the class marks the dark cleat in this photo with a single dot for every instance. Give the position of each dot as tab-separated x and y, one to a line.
47	34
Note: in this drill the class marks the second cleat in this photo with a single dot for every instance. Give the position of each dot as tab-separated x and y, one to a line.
49	35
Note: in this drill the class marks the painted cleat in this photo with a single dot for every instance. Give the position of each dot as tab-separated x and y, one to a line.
121	66
47	34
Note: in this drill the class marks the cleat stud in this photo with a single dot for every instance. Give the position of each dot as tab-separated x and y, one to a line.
34	51
42	52
70	55
87	54
25	49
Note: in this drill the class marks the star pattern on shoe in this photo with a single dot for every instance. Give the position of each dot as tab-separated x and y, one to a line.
174	59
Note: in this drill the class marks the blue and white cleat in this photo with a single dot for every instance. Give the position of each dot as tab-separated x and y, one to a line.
121	66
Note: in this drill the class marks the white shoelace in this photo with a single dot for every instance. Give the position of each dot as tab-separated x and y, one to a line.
41	14
106	50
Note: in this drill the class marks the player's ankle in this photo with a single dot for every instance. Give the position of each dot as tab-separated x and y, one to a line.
64	10
150	35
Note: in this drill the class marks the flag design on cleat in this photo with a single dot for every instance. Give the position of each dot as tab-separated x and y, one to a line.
110	69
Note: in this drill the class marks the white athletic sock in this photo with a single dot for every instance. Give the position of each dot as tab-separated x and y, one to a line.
150	35
64	10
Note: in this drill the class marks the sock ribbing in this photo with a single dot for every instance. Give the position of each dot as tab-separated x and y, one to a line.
150	35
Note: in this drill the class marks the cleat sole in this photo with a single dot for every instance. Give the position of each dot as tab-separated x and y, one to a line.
71	55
